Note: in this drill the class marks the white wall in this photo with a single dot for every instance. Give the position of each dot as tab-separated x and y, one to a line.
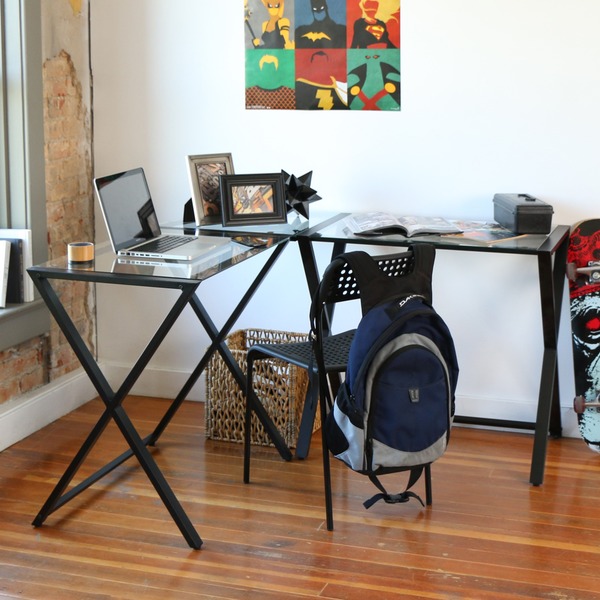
497	96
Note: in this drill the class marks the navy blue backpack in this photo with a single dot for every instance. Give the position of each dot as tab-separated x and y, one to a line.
395	408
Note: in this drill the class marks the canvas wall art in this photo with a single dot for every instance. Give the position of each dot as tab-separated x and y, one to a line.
322	54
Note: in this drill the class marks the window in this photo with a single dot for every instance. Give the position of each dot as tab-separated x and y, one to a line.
22	176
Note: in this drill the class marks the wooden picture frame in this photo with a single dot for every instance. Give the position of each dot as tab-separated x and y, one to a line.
253	199
204	171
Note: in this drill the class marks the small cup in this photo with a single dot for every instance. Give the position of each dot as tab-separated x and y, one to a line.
80	254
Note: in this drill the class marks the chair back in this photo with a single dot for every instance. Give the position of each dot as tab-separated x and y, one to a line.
339	282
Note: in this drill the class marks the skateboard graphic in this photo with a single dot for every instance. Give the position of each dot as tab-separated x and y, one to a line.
583	272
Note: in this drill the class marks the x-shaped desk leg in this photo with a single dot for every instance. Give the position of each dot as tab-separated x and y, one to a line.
218	344
114	411
113	400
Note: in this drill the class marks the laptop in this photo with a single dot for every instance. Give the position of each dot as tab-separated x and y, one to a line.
188	269
133	226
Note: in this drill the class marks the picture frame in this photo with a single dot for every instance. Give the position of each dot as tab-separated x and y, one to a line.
204	171
253	199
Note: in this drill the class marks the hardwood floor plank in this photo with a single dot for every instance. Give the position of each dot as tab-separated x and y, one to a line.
489	534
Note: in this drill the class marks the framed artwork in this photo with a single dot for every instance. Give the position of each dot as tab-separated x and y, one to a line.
253	199
204	172
322	55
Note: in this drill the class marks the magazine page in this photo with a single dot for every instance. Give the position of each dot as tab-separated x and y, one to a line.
428	225
370	222
379	223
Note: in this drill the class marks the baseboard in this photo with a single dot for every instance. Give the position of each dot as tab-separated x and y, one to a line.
31	412
27	414
164	383
513	410
155	382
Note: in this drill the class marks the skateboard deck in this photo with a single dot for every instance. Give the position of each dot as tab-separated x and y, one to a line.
583	271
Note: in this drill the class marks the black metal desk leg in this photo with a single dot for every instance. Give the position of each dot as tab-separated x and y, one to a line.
57	497
156	478
240	379
548	417
114	410
218	343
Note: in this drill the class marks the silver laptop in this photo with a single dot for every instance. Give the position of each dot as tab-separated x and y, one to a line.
188	269
133	226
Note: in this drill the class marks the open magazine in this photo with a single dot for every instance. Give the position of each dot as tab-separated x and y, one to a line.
381	223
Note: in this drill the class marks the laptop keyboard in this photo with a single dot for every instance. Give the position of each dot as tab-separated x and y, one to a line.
162	244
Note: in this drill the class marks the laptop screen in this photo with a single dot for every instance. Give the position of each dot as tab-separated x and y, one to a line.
127	208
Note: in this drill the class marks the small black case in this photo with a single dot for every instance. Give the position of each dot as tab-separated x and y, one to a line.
522	213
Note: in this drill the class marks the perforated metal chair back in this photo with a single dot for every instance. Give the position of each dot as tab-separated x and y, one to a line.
339	283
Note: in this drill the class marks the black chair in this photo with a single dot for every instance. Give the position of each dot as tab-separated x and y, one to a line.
328	354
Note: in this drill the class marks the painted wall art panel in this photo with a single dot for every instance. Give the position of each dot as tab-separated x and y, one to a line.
322	54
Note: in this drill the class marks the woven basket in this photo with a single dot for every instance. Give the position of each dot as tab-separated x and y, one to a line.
280	387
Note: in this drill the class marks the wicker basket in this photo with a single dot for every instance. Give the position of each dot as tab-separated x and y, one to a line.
281	388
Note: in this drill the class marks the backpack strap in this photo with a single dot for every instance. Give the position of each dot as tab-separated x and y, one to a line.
405	496
375	286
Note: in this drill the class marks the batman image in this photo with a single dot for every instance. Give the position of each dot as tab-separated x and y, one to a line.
323	32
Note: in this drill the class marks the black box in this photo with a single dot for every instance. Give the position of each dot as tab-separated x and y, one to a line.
522	213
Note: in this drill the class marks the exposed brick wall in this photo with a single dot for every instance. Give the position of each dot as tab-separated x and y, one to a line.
23	368
70	214
69	197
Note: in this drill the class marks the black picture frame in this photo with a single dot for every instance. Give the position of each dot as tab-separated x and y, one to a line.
253	199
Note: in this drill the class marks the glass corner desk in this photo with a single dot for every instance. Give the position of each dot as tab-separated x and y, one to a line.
186	278
551	253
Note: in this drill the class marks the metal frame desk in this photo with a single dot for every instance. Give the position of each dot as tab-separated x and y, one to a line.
551	254
186	279
551	258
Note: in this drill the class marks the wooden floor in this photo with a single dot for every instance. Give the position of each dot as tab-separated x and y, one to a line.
489	534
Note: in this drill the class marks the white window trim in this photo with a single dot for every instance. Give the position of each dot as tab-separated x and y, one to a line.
22	167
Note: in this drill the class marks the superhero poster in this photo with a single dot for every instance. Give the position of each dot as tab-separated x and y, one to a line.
322	54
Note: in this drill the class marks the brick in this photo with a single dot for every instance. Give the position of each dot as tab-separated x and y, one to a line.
69	200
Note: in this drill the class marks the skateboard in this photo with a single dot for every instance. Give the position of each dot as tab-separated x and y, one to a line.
583	272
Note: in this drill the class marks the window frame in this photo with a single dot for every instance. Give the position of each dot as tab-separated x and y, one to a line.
22	165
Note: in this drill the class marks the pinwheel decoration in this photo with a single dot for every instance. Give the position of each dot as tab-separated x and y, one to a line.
298	193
